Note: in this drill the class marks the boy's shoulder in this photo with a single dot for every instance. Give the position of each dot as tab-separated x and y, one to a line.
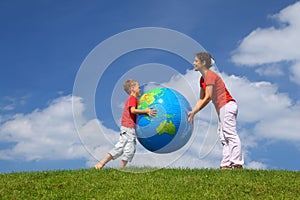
131	99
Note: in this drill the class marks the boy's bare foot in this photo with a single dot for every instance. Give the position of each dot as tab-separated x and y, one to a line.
100	165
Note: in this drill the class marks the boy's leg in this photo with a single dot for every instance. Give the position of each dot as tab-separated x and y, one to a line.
123	163
105	160
129	148
116	152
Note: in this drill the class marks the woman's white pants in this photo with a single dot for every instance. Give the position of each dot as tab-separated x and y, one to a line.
232	149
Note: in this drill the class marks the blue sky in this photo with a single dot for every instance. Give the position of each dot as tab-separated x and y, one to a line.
44	44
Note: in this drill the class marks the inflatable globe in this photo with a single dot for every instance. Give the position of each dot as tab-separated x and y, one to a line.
169	130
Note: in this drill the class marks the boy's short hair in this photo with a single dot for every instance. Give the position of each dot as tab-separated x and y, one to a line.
128	85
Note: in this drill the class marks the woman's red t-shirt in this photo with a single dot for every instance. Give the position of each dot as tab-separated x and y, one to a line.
220	95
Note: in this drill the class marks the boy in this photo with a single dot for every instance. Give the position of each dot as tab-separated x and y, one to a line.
127	140
213	88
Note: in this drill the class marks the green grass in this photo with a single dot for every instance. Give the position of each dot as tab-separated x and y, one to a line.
158	184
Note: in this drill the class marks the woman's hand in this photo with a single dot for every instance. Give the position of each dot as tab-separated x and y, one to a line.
191	115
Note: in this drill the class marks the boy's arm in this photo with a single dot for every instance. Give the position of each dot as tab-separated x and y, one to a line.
202	102
147	111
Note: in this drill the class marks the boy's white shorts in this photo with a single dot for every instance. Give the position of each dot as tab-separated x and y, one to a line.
126	145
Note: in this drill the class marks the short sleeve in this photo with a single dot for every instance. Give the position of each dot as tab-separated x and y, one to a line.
210	78
132	102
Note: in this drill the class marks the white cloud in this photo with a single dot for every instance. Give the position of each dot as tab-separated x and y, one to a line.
295	69
272	113
257	100
274	45
7	104
50	134
43	134
256	165
283	126
272	70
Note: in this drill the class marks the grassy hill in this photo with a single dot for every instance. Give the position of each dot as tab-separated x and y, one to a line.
158	184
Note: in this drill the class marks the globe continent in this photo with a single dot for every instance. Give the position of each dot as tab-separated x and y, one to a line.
169	130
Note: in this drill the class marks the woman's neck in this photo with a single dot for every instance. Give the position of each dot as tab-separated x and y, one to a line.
203	71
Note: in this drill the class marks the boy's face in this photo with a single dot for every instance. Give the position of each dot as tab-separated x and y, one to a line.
136	90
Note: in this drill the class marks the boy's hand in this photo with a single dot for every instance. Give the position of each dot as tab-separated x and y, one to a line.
151	112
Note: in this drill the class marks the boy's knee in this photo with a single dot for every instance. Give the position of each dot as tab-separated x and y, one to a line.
129	151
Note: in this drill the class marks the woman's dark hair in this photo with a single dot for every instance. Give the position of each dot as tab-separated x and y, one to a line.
204	56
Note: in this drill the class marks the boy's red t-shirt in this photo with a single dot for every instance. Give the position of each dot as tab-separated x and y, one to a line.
220	95
128	119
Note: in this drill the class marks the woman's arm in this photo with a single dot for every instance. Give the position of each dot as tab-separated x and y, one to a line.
202	102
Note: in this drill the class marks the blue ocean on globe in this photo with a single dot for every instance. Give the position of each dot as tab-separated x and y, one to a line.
169	130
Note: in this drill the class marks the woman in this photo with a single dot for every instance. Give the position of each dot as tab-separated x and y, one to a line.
213	89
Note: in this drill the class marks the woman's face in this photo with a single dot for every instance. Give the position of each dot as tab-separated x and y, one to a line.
198	64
